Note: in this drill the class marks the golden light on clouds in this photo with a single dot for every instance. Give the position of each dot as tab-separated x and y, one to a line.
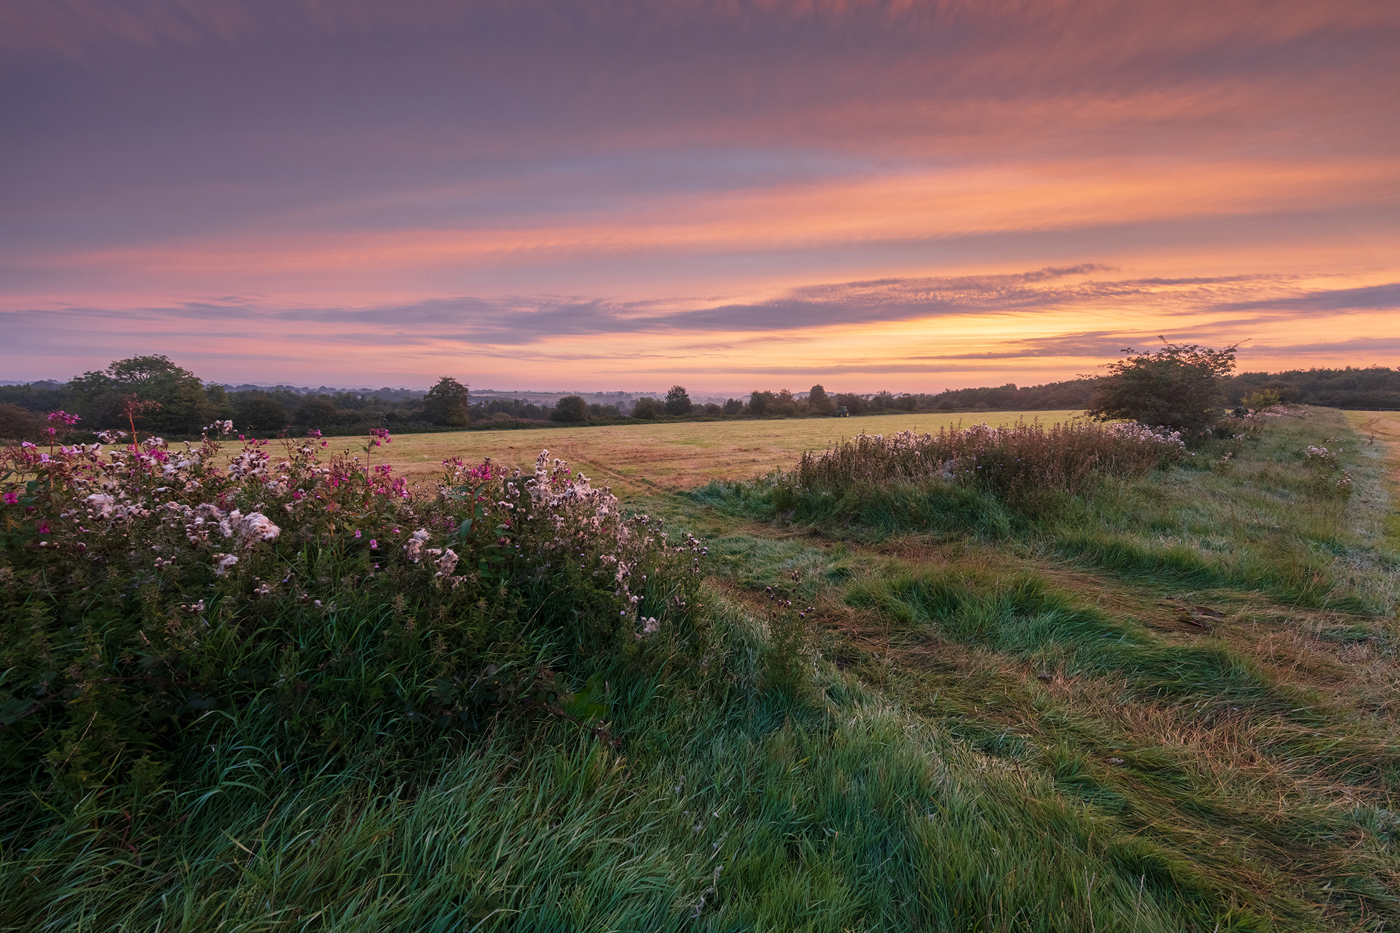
867	194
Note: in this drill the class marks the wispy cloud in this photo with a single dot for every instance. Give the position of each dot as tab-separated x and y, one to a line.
591	186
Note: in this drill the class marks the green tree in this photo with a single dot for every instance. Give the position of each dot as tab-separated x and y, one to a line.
257	411
733	406
183	405
818	402
448	403
18	424
759	402
571	408
1176	387
646	407
678	401
317	412
783	404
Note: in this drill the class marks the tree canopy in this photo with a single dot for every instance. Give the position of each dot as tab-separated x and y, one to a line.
181	403
1176	387
570	408
448	403
678	401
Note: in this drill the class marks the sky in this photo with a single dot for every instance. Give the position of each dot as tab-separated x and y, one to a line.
727	195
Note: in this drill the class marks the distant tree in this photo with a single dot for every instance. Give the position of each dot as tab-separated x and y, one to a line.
256	411
678	401
18	424
183	406
1286	393
733	406
1176	387
818	403
647	408
317	412
571	408
759	402
783	403
853	403
448	403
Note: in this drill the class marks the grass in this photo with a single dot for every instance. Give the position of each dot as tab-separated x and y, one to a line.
1169	703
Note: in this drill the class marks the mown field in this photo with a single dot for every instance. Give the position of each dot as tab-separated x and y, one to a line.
1168	700
641	458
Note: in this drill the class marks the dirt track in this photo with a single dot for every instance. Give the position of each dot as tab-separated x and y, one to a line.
1384	426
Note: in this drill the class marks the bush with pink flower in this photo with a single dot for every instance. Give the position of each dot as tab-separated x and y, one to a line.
154	591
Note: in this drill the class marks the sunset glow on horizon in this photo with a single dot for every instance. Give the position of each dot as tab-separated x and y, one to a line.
727	195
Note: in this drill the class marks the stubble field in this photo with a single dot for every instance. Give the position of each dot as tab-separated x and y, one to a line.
645	457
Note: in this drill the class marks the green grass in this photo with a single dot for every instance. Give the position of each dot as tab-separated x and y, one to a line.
991	720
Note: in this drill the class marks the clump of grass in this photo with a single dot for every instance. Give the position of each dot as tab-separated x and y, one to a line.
1016	463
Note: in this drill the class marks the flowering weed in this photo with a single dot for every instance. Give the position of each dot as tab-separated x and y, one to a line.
148	589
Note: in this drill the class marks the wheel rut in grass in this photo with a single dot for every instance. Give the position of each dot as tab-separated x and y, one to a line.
1222	787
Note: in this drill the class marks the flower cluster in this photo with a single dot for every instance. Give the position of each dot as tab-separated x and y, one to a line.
1320	455
153	506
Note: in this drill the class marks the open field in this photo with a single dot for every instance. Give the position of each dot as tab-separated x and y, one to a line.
1384	427
645	457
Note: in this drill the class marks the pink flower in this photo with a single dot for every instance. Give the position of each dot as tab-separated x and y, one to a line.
12	498
357	533
43	528
373	543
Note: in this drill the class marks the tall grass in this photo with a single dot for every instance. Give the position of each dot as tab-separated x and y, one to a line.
1015	462
1252	509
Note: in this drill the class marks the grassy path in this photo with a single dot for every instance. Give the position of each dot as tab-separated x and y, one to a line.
1246	744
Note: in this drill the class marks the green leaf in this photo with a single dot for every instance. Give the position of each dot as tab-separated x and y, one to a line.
589	704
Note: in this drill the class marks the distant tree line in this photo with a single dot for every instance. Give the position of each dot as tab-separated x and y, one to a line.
177	402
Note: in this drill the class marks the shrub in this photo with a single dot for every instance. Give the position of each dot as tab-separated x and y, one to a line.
1262	399
151	598
1178	388
646	408
1017	462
